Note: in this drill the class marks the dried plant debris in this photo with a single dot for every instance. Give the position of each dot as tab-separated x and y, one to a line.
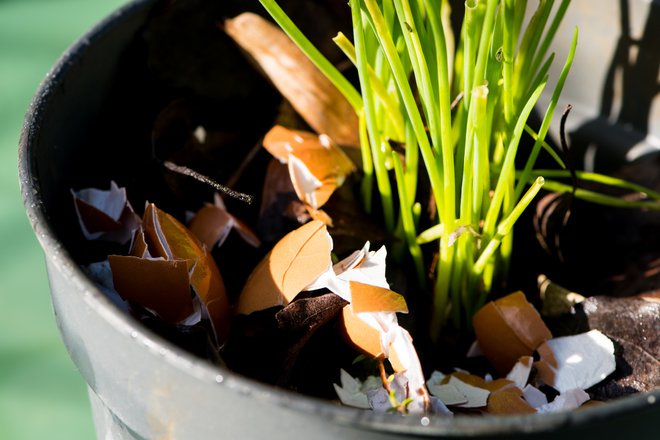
313	96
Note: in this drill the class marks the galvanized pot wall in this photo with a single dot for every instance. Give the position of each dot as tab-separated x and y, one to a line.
143	387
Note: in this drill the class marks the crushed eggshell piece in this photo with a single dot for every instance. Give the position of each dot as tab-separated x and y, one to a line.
298	259
370	298
172	240
508	401
566	401
161	286
534	396
353	392
105	215
369	321
580	361
476	397
213	223
163	242
448	394
362	335
519	374
508	329
317	167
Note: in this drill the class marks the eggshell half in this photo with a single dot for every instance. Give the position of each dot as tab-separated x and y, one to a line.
294	262
508	329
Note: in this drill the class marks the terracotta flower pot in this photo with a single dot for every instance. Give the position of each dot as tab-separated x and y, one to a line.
83	128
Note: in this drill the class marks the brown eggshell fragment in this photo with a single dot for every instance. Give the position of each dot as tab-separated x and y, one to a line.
139	247
105	214
317	155
169	239
478	381
508	401
161	286
369	298
95	220
363	336
295	261
508	329
210	224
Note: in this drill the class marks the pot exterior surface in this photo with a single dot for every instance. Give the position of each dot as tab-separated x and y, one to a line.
143	387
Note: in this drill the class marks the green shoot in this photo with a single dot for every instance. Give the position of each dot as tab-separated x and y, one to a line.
463	112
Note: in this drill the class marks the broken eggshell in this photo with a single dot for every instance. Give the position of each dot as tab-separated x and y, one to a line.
578	361
293	263
212	224
359	328
508	401
105	215
317	167
160	286
507	329
163	244
353	392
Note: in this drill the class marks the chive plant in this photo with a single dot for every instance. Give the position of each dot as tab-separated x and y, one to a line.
459	109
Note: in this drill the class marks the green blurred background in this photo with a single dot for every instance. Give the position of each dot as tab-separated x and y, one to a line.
42	395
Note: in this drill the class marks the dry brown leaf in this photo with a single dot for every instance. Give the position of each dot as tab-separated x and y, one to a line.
313	96
508	329
293	263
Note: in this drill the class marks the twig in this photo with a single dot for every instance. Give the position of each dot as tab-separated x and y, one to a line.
247	198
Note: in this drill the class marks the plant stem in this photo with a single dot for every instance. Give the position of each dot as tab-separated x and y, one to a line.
320	61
